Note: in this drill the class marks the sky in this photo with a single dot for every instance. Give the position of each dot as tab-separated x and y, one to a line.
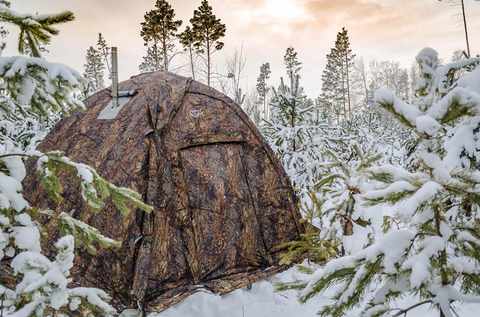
378	29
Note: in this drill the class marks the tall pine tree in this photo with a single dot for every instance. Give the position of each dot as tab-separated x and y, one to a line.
104	50
263	88
336	76
292	64
160	28
208	30
187	39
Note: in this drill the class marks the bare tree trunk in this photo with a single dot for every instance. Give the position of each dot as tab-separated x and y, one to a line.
95	71
156	54
348	85
465	25
264	98
191	62
343	93
365	86
165	59
208	63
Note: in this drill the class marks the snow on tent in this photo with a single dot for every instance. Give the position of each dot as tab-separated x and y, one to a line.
223	205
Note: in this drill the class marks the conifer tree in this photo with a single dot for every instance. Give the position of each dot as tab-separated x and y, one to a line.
35	30
152	62
187	39
104	50
331	95
262	87
290	133
207	30
160	28
94	69
336	76
346	221
292	64
431	248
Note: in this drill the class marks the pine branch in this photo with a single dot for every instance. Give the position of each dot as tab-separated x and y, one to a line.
406	310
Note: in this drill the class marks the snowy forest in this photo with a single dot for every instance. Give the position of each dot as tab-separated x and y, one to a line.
384	162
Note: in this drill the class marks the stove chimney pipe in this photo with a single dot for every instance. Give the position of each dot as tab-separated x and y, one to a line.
114	77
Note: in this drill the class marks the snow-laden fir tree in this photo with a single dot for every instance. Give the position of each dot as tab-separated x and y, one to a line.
34	87
431	248
94	70
26	123
339	189
207	30
262	88
160	28
290	133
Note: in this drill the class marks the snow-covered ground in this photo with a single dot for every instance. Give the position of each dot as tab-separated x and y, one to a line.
263	301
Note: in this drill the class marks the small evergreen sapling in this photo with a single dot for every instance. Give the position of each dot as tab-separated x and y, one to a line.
341	185
290	133
432	247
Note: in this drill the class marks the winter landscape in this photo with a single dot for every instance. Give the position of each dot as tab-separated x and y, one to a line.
239	158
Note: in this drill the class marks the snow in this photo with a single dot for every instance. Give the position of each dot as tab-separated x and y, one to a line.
463	139
93	295
65	258
444	294
392	246
18	65
408	111
10	195
420	262
263	301
426	193
427	125
85	174
394	188
440	172
462	96
471	80
27	238
357	240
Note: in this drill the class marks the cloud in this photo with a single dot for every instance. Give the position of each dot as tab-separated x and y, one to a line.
380	29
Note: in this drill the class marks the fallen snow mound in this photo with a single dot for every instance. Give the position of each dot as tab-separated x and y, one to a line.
263	301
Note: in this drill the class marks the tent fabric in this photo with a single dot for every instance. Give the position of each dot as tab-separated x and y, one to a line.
223	204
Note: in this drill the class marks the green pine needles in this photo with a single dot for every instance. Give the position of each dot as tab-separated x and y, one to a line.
35	30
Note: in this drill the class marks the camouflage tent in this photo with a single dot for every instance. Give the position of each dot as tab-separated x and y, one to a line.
223	205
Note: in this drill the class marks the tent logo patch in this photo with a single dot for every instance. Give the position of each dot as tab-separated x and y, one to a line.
194	113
